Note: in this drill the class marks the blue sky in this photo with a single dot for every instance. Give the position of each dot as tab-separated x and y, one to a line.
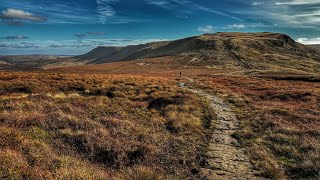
69	27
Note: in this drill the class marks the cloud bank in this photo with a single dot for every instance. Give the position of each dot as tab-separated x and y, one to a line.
309	40
18	17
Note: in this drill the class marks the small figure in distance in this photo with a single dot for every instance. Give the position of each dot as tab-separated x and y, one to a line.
180	74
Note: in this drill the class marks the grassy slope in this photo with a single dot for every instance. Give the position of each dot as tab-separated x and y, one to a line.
280	124
238	51
279	110
170	66
99	126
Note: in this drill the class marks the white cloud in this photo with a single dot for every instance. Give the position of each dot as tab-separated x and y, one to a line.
209	10
256	3
298	2
168	4
206	29
236	26
180	5
159	3
289	13
14	14
309	40
105	10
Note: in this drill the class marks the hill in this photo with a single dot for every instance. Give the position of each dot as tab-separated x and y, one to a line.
30	62
235	51
316	46
262	51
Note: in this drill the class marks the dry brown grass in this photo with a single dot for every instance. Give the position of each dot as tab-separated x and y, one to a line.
99	127
150	127
280	122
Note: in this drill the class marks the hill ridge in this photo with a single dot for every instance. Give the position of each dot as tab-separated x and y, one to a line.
224	50
206	42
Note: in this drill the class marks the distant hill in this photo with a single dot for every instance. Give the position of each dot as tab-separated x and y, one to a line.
317	46
238	50
28	62
116	54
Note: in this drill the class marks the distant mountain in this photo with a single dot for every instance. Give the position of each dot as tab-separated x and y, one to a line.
240	50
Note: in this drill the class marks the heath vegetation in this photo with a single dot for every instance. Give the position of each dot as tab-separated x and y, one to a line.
280	122
99	127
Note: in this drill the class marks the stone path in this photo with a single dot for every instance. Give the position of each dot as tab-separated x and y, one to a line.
227	160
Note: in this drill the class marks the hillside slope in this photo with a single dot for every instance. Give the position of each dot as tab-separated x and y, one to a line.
31	62
225	50
315	46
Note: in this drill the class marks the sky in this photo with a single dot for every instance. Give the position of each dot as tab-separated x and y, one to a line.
71	27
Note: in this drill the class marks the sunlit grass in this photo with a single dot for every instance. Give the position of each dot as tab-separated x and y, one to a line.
279	122
98	127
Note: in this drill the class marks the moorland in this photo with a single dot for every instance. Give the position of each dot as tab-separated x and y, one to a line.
131	112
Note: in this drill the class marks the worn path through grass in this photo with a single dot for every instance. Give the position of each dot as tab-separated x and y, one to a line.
226	158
